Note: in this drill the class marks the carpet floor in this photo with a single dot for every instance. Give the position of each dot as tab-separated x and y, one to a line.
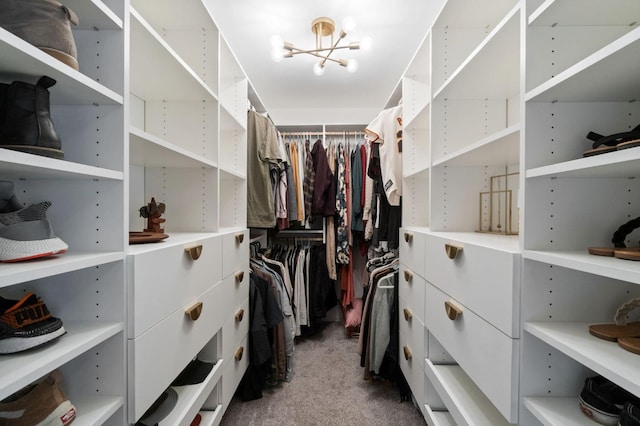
327	389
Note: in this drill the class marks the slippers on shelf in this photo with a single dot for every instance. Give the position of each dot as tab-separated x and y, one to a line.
627	334
614	142
619	249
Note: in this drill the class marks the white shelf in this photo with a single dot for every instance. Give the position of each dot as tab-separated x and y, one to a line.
94	14
174	239
94	410
19	370
438	418
151	151
15	273
618	164
581	260
212	418
465	402
556	411
506	243
585	12
500	148
584	81
604	357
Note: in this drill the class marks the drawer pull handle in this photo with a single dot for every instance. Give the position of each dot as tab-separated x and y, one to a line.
240	276
238	354
239	315
193	312
408	276
194	252
407	353
239	238
408	237
452	250
453	311
407	314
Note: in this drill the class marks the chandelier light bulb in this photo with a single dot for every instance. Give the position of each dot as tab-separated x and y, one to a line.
277	42
366	43
349	24
277	54
352	65
318	69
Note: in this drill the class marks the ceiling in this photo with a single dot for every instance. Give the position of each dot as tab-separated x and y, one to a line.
289	90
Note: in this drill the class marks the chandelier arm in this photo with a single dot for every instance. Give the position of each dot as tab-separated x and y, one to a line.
334	47
295	50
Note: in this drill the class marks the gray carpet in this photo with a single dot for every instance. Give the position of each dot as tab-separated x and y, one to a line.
327	389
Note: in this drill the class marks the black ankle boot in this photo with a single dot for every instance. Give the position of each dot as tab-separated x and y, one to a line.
25	118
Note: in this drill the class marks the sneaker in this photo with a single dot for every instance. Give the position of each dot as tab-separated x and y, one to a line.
8	201
44	403
630	415
26	323
602	400
27	234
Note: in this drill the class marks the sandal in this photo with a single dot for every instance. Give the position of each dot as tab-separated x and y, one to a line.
603	144
619	249
621	329
632	344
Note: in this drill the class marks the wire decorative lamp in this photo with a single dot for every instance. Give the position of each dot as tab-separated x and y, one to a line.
326	44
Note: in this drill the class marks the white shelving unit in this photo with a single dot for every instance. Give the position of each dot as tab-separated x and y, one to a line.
87	190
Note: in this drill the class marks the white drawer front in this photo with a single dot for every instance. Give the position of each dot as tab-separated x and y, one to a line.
163	280
159	355
235	251
411	290
235	289
234	329
488	356
412	355
412	247
234	370
483	279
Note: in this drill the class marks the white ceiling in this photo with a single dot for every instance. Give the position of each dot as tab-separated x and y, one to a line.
289	90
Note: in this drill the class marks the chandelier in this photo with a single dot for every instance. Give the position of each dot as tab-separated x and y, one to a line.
324	29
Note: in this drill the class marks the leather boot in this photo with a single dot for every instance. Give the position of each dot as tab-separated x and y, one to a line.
25	118
44	23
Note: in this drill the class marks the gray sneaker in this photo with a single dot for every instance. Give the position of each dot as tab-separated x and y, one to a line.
8	201
27	234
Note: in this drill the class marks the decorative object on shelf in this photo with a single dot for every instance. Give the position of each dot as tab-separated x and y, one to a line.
323	28
496	206
146	237
152	213
45	24
25	119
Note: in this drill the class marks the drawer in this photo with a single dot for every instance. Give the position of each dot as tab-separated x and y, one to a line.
235	328
159	355
412	355
411	290
488	356
235	251
485	280
412	249
234	370
235	289
163	280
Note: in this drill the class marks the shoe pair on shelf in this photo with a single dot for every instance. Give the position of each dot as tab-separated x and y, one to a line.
25	232
608	404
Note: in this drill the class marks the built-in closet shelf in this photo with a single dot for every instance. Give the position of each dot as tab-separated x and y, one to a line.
174	239
231	119
28	166
465	402
164	13
506	243
492	69
15	273
21	59
604	357
211	417
415	100
584	12
151	151
157	71
463	14
438	418
19	370
584	82
581	260
556	411
617	164
94	14
232	173
192	397
498	149
93	410
421	171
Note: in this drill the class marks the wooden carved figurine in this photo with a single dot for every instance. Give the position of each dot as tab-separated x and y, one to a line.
152	213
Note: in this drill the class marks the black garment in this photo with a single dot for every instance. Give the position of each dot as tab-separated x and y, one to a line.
322	294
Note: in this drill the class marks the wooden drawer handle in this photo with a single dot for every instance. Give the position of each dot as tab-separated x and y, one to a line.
238	354
239	238
453	311
194	311
407	353
239	315
194	252
407	314
408	276
408	237
452	250
239	276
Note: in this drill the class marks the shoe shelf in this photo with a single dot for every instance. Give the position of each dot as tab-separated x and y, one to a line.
96	410
556	411
96	14
438	418
582	13
211	417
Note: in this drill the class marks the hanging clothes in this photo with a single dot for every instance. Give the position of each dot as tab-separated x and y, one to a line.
342	236
330	220
309	181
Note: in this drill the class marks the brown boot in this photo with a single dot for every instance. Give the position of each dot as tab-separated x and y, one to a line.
44	23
